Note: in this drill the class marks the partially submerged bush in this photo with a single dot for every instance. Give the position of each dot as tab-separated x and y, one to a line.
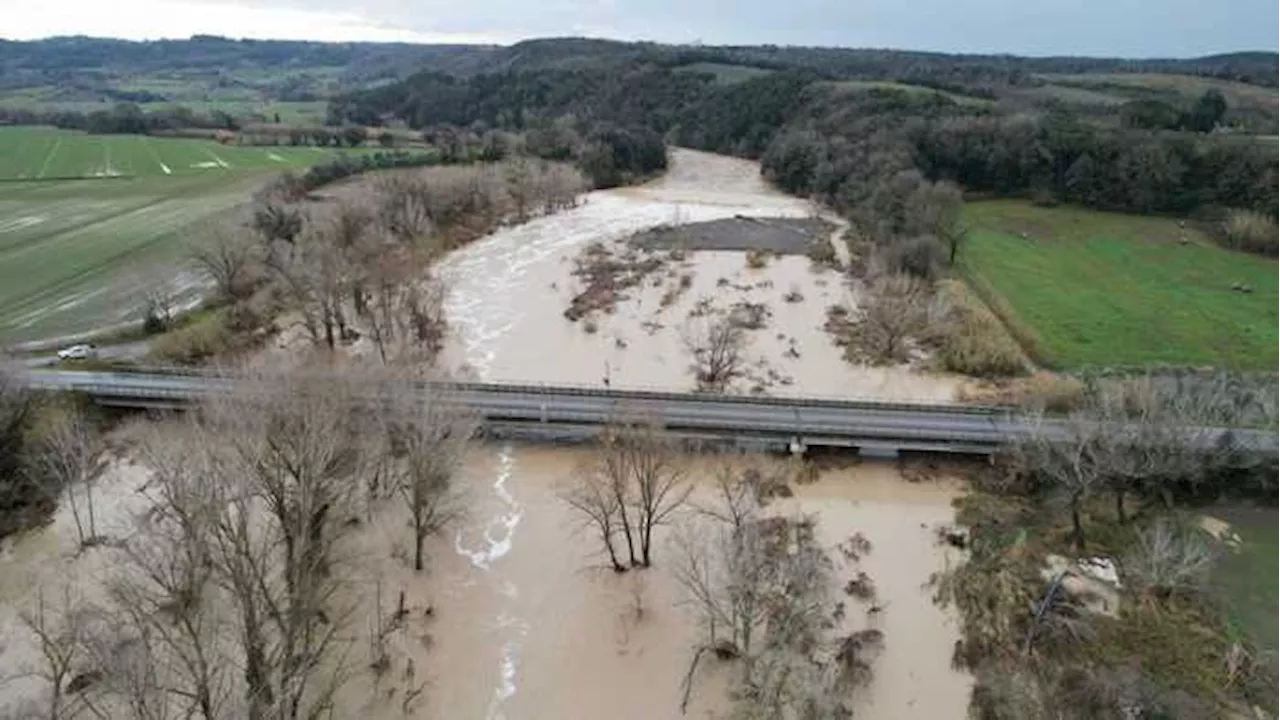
894	313
757	259
822	252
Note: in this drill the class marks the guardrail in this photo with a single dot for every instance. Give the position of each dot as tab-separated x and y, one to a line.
619	393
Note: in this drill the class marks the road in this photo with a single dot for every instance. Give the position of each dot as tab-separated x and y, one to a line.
120	352
573	413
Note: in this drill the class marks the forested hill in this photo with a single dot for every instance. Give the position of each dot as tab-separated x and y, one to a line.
1166	136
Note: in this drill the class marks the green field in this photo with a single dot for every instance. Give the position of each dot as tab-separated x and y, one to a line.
290	112
1133	85
38	153
79	254
1091	288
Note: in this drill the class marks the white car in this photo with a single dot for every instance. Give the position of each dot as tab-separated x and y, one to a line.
77	352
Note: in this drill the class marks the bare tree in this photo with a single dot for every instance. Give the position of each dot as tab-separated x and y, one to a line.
165	594
656	473
591	495
70	458
63	632
521	186
282	461
1071	458
430	440
227	255
717	345
404	205
633	484
159	303
895	309
316	276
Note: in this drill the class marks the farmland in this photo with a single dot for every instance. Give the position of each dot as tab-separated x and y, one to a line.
89	222
37	153
1080	287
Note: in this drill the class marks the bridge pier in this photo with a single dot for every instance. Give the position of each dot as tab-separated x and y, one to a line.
879	452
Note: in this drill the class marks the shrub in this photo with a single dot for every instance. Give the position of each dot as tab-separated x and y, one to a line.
1170	559
757	259
1251	232
196	342
922	257
822	252
1051	392
970	339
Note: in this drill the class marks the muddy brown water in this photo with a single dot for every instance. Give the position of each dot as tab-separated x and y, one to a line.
522	622
529	625
508	293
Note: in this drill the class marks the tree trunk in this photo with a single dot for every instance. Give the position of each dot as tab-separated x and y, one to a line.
419	534
88	499
626	529
1120	515
1077	528
613	556
646	540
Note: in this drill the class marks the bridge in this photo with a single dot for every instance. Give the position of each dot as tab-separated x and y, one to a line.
577	413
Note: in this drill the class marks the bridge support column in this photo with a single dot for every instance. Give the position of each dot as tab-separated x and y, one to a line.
878	452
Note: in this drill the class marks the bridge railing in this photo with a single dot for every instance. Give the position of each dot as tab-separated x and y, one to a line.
637	393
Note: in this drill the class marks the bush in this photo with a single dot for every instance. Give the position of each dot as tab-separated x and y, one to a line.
1050	392
970	339
196	342
922	257
822	252
757	259
1251	232
1170	559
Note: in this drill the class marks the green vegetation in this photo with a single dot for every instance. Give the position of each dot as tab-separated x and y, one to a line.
857	85
725	74
1190	87
1080	287
77	255
38	153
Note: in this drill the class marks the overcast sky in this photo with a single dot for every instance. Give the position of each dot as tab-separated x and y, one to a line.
1132	28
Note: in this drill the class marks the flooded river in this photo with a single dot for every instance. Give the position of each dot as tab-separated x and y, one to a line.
508	293
514	617
529	624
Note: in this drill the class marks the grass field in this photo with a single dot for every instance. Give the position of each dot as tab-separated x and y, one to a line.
79	254
38	153
291	112
1090	288
1188	86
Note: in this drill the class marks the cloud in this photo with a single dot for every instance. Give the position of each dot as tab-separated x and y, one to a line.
1134	28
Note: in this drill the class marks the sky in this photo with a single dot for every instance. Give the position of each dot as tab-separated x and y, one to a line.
1127	28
